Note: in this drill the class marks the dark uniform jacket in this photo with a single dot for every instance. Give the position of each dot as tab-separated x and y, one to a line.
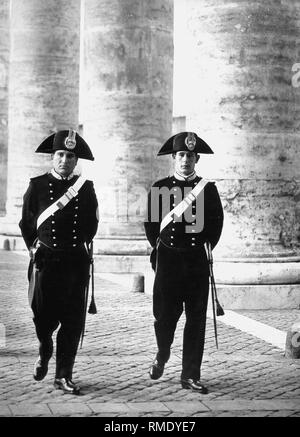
175	235
68	228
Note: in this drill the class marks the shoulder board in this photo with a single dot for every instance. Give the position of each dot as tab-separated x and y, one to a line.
39	178
162	182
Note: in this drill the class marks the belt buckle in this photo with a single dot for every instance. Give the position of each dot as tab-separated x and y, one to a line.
72	192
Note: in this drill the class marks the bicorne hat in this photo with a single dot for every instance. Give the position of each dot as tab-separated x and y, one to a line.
68	140
185	141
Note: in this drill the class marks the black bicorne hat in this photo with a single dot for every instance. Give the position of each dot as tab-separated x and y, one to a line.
68	140
185	141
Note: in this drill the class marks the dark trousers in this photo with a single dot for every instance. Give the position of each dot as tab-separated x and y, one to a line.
181	284
59	301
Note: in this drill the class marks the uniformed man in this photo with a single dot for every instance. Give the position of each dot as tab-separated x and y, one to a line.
59	221
184	213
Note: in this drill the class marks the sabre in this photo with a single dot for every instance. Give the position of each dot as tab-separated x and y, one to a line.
92	308
216	307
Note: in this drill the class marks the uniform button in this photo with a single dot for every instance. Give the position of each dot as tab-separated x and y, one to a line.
51	198
75	222
193	230
193	238
175	197
53	230
174	182
74	245
74	237
76	207
75	215
54	237
76	199
173	204
193	224
74	230
53	222
51	191
172	244
175	189
193	244
172	236
54	244
173	229
50	184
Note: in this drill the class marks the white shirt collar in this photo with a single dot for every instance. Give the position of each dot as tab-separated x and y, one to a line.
189	177
58	176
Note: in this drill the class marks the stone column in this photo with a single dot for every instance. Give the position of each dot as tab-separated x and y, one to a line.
43	88
127	110
4	61
244	101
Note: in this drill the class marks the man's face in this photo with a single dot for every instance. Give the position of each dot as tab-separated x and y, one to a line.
185	162
64	162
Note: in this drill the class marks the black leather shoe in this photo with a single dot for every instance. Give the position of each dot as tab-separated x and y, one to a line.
157	369
40	369
67	385
195	385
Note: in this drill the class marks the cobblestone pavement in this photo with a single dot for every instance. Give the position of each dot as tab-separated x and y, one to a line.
246	376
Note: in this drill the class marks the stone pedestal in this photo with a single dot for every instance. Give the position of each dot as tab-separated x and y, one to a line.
43	88
127	111
241	100
4	62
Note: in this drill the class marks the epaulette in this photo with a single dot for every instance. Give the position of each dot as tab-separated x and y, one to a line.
162	181
39	178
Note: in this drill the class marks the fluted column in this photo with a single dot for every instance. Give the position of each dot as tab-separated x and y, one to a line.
4	62
43	86
243	103
127	108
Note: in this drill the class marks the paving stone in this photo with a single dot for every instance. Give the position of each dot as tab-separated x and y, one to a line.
147	407
108	407
245	376
70	408
5	411
186	407
29	409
